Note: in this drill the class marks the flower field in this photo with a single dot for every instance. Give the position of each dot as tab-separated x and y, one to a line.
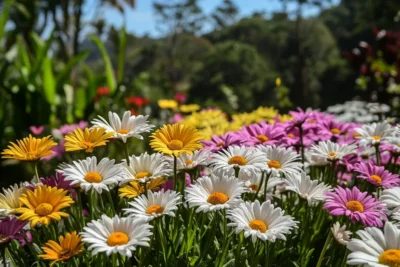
256	189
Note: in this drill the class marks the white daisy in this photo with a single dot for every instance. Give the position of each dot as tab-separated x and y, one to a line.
395	141
261	221
332	151
391	197
280	160
189	162
340	234
146	167
239	156
154	205
306	188
130	126
374	133
89	174
215	193
375	248
116	235
9	199
253	179
314	160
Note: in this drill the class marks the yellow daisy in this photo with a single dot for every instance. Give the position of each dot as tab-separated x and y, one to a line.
30	148
68	246
167	103
43	205
189	108
176	139
87	139
134	188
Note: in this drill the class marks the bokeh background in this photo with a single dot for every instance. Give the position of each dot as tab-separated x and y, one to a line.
64	62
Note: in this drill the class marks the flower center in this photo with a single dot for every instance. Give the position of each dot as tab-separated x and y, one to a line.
117	239
123	131
32	154
239	160
356	134
335	131
188	161
219	144
44	209
65	254
262	138
274	164
258	225
291	135
93	177
154	209
253	187
354	205
312	121
376	178
332	154
390	257
175	145
141	175
217	198
376	137
4	239
88	146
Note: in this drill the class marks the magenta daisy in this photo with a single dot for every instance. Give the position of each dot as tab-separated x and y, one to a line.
377	175
299	118
12	229
358	206
219	142
56	181
329	129
262	133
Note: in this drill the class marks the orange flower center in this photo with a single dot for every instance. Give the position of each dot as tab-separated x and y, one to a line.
141	175
376	178
44	209
332	154
356	134
262	138
312	121
390	257
175	145
219	144
154	209
93	177
376	137
274	164
335	131
123	131
291	135
258	225
188	161
239	160
354	205
253	187
217	198
117	239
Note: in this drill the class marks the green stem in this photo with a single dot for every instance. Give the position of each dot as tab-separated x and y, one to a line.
378	155
145	188
321	256
266	253
114	259
301	145
259	186
265	186
108	193
237	169
175	173
3	255
35	165
125	145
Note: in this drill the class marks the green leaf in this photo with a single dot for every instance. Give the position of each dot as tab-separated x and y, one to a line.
4	18
107	64
121	54
49	83
80	102
63	75
23	55
41	53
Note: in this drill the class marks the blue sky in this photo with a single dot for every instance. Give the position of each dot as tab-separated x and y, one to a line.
141	19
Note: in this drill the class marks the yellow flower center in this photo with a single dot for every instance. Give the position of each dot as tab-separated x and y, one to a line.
44	209
93	177
390	257
141	175
274	164
356	134
376	137
253	187
219	144
239	160
217	198
332	154
262	138
154	209
88	146
335	131
188	161
175	145
354	205
122	131
117	239
291	135
376	178
258	225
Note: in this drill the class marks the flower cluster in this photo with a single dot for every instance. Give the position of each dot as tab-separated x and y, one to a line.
263	191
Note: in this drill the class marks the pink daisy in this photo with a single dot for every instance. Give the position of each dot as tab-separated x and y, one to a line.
299	118
358	206
262	133
377	175
329	129
220	142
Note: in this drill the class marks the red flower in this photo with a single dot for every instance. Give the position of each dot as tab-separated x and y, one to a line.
180	97
137	101
103	90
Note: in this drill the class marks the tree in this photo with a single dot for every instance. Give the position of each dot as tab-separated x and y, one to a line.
225	14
